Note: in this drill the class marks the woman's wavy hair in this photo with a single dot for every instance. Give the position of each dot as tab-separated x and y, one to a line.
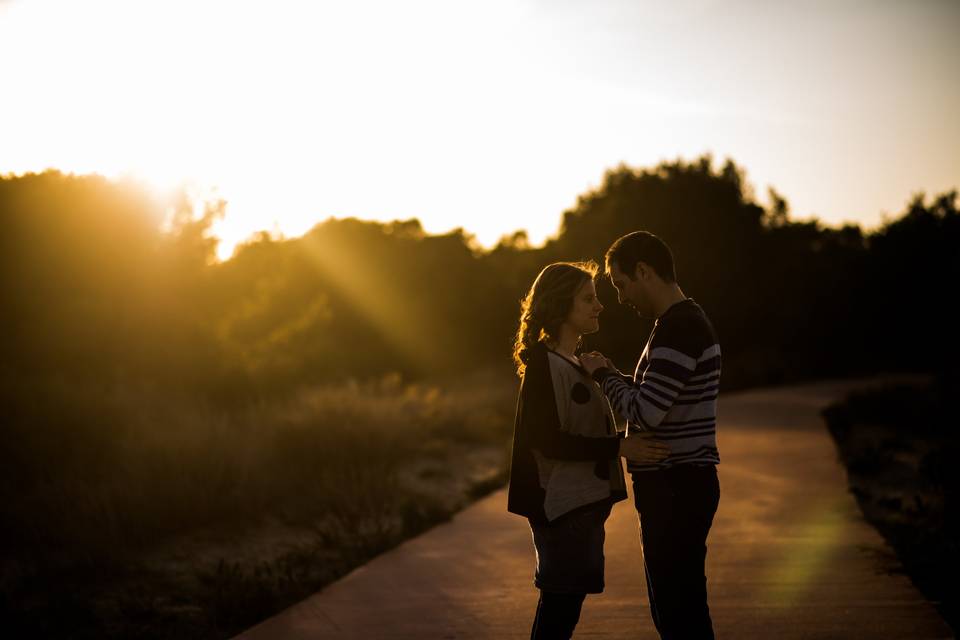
548	304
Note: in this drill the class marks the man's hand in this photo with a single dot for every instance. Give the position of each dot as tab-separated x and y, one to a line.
643	447
594	360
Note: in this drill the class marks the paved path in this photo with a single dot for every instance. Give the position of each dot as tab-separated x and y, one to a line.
789	555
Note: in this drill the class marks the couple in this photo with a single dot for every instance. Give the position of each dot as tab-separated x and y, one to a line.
565	472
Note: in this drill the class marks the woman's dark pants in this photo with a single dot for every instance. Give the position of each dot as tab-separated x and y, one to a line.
569	566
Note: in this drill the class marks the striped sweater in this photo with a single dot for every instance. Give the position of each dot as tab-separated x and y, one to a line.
673	392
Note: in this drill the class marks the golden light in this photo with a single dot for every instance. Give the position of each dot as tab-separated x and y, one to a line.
490	116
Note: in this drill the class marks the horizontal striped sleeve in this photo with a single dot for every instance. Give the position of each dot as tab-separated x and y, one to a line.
672	356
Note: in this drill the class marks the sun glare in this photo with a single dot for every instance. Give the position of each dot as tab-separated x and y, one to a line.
489	116
294	111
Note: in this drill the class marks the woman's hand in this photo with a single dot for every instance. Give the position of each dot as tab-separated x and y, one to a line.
643	447
594	360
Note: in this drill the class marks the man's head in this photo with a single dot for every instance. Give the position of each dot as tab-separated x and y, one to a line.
640	266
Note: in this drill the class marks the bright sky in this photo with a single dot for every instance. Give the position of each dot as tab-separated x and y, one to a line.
489	115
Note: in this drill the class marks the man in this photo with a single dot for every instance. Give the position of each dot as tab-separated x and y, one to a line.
672	395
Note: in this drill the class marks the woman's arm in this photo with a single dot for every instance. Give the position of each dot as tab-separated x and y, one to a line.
540	420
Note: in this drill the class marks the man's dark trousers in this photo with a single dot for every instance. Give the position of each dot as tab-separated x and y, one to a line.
676	507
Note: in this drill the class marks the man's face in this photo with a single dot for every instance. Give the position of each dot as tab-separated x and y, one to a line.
632	292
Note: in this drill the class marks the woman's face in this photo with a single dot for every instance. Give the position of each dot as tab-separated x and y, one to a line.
584	315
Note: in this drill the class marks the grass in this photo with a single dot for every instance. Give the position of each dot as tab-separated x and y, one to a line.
129	512
900	448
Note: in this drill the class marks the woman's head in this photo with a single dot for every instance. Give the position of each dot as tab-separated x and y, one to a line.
562	298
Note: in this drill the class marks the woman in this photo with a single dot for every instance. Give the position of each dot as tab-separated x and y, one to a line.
565	472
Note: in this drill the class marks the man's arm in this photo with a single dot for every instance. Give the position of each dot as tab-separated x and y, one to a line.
607	363
672	355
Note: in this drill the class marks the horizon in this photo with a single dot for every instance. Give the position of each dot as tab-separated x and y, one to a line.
492	119
224	251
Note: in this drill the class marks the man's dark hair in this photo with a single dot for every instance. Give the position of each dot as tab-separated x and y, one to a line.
641	246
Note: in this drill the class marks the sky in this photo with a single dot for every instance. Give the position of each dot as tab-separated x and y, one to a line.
492	116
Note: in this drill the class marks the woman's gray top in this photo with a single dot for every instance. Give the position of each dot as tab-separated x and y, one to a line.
584	411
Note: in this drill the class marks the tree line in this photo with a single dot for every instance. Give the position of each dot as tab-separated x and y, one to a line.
98	288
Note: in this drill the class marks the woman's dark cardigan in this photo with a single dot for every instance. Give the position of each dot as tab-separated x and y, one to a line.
537	426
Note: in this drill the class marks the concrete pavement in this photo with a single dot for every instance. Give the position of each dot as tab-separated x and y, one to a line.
789	555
